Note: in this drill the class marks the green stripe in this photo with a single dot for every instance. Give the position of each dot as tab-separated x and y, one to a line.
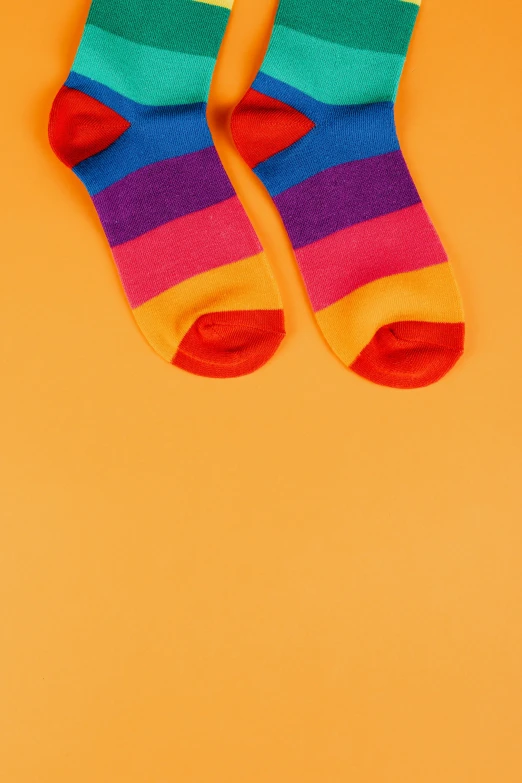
141	73
176	25
379	25
329	72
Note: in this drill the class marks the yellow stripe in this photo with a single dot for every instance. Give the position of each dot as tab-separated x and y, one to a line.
426	295
226	3
415	2
244	285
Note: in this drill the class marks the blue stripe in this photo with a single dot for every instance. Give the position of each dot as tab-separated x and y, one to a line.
127	108
156	133
315	110
351	133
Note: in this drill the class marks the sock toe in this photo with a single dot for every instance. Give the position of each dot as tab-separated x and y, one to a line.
411	354
230	344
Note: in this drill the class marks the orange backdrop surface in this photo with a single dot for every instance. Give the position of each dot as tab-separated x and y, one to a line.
295	576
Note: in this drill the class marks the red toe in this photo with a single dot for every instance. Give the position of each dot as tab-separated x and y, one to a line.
411	354
232	343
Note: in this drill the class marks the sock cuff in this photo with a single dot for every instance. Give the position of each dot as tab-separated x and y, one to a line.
186	26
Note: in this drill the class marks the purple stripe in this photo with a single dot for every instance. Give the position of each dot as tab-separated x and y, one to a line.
345	195
162	192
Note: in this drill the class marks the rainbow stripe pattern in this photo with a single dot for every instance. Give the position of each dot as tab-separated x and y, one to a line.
318	129
131	123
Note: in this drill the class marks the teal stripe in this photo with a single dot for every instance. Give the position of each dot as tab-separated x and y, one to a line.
151	76
332	73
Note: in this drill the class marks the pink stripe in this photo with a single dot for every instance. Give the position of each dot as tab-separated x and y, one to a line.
401	241
183	248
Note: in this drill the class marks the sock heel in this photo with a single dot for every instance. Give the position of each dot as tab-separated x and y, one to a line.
81	126
263	126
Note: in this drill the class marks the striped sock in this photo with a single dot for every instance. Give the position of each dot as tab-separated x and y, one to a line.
318	129
131	122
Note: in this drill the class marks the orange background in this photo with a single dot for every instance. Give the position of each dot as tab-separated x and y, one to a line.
296	576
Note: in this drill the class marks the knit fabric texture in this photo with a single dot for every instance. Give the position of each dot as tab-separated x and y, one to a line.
131	123
318	129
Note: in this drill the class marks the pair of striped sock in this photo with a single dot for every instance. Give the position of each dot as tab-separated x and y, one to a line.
318	129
